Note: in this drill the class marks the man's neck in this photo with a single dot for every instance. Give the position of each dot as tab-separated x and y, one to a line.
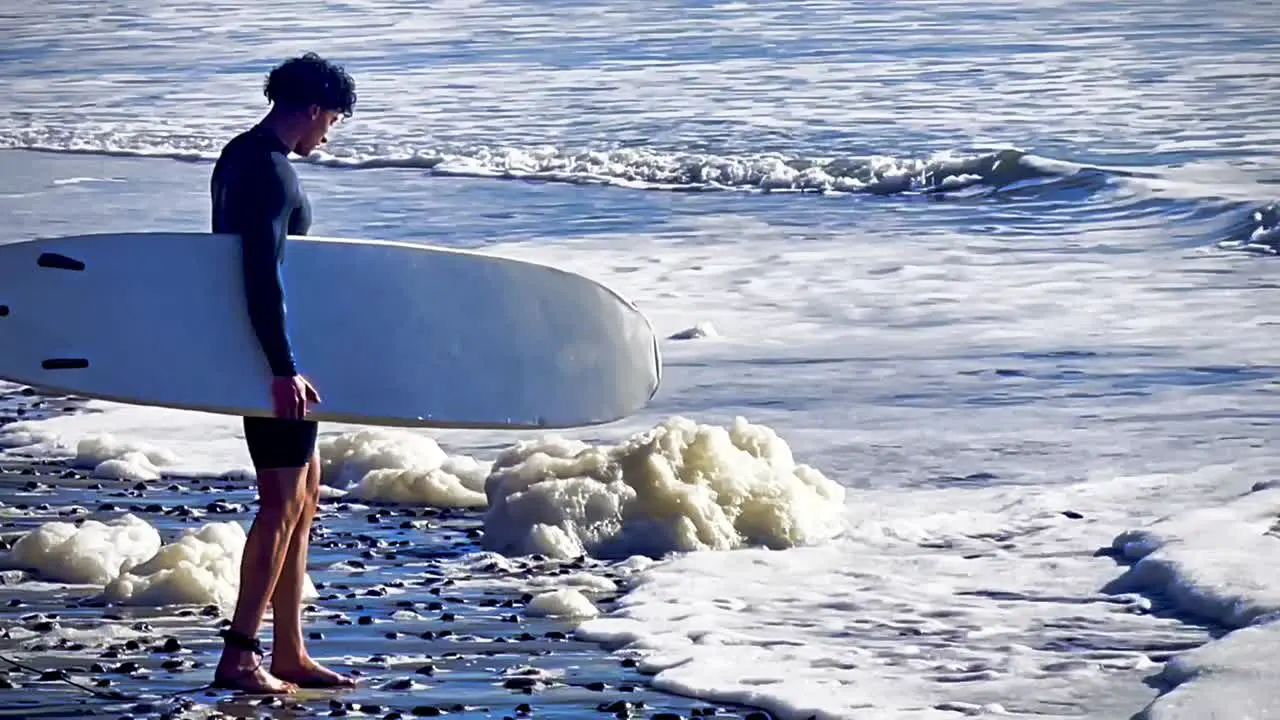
282	127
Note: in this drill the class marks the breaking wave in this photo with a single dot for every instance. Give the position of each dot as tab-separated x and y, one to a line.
1237	224
643	168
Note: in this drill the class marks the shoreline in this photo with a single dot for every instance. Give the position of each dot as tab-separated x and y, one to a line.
432	628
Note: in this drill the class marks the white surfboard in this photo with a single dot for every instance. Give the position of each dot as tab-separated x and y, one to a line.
390	333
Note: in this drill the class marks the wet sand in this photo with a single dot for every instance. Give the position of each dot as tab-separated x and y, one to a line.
406	600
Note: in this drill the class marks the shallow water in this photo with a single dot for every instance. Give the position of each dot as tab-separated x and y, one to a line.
1002	274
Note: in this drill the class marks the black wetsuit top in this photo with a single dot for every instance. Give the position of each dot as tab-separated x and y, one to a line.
256	194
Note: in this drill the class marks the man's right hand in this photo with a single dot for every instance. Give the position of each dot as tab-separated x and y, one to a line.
291	395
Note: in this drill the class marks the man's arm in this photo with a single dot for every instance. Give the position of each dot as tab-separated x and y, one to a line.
266	205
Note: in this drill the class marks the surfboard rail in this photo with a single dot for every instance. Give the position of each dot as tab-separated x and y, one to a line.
391	332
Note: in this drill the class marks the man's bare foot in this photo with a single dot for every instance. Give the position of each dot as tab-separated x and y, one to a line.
243	672
310	674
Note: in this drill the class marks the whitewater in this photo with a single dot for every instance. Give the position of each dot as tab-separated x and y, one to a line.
969	398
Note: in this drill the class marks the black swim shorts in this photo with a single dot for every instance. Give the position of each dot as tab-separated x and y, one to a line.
278	442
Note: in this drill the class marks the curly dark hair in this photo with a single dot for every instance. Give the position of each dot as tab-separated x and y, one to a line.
311	80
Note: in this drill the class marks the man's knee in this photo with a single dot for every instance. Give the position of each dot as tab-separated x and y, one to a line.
287	491
312	476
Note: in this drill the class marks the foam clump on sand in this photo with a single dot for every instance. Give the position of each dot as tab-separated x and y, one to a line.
91	553
103	455
582	581
681	486
110	457
127	558
401	467
1216	563
24	435
199	568
565	602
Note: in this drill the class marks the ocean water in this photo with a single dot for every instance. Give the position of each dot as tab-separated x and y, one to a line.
979	420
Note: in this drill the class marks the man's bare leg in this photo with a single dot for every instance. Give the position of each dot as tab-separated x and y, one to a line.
289	658
281	499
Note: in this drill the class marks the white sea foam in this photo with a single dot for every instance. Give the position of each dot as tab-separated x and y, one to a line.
678	488
200	567
565	602
92	552
128	559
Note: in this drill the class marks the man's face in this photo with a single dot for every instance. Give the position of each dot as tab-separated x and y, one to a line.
316	129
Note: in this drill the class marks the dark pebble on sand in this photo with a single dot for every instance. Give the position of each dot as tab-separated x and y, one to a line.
171	645
595	686
315	636
629	663
622	708
666	716
757	715
520	683
427	711
1072	515
365	620
54	676
393	715
6	684
524	709
399	685
45	626
427	669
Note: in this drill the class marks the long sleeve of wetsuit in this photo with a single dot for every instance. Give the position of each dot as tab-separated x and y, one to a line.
266	205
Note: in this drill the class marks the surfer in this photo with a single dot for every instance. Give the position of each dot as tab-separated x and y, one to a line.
256	194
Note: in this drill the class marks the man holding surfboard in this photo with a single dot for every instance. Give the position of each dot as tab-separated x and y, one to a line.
256	194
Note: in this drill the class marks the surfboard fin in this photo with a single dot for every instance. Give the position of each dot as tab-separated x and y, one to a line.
59	262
